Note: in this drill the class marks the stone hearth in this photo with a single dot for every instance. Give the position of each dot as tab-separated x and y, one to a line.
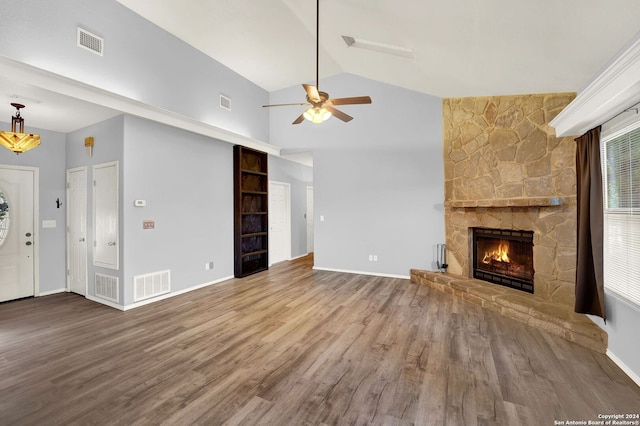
504	168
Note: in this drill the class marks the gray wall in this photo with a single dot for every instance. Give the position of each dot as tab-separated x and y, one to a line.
141	61
622	328
378	180
187	182
49	157
299	177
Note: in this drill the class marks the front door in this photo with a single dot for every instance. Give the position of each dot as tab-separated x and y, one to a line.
17	228
77	230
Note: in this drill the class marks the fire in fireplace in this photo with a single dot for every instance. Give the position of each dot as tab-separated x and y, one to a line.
504	257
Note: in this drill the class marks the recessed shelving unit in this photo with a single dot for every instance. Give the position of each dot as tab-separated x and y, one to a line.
251	236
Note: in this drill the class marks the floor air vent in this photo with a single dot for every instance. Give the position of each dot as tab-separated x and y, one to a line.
107	287
91	42
151	285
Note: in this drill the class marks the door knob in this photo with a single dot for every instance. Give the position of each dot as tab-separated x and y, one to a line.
28	243
112	243
81	240
28	234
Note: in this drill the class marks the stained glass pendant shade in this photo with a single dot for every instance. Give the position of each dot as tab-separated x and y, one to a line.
16	140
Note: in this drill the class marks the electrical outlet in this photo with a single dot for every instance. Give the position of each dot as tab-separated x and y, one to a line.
370	258
208	265
375	257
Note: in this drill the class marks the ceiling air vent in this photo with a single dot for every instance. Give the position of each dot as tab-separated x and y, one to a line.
225	102
90	41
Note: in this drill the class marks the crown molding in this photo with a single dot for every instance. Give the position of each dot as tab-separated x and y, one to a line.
615	88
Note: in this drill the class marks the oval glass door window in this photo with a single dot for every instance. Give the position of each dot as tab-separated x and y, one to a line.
4	217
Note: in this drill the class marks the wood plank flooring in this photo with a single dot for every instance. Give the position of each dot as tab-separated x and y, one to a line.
293	346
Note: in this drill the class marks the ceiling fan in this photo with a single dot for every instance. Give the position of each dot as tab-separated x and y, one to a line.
321	106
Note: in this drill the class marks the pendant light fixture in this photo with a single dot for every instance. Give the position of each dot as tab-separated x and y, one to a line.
16	140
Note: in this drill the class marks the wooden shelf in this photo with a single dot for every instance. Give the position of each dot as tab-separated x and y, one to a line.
251	216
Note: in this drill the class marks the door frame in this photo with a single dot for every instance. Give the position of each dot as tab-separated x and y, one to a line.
287	245
116	265
310	229
36	221
68	234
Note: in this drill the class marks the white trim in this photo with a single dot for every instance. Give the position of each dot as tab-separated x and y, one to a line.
615	88
21	72
50	292
374	274
104	302
175	293
86	208
159	298
632	375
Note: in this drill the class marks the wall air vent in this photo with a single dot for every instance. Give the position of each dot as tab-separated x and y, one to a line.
91	42
151	285
107	287
225	102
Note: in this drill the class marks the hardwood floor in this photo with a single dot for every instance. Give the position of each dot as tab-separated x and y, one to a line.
293	346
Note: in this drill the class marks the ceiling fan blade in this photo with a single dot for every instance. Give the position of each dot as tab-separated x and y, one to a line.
299	120
351	101
338	114
276	105
312	92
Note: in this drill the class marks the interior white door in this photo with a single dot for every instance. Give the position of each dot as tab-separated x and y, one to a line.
279	222
105	210
17	227
309	219
77	230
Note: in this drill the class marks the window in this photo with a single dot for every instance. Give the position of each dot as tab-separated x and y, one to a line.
621	181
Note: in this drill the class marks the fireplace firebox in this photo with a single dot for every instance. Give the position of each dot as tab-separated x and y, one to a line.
504	257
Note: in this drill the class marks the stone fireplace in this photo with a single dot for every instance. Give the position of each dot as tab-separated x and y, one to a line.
505	170
503	257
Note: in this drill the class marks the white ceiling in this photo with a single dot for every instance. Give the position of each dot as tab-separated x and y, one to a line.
460	48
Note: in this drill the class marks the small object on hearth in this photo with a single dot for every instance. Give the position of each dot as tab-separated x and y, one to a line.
441	262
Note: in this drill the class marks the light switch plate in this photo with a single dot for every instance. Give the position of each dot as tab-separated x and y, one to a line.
49	224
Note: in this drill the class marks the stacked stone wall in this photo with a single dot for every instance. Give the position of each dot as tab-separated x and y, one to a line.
504	168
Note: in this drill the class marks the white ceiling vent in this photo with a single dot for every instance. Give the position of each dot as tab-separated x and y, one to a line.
91	42
376	46
225	102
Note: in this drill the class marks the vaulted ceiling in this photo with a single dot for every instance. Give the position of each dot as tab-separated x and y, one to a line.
458	48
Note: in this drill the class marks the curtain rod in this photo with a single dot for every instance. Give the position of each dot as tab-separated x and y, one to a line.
635	108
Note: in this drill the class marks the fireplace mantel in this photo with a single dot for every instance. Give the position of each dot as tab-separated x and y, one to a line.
512	202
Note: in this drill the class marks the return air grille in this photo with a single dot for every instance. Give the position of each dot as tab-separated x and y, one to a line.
225	102
150	285
91	42
107	287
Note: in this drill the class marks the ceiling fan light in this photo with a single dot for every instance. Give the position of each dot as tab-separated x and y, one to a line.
317	115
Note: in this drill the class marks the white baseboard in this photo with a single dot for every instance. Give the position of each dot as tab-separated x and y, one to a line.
374	274
299	257
632	375
174	293
105	302
50	292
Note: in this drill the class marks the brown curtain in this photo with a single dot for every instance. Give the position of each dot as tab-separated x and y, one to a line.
589	275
